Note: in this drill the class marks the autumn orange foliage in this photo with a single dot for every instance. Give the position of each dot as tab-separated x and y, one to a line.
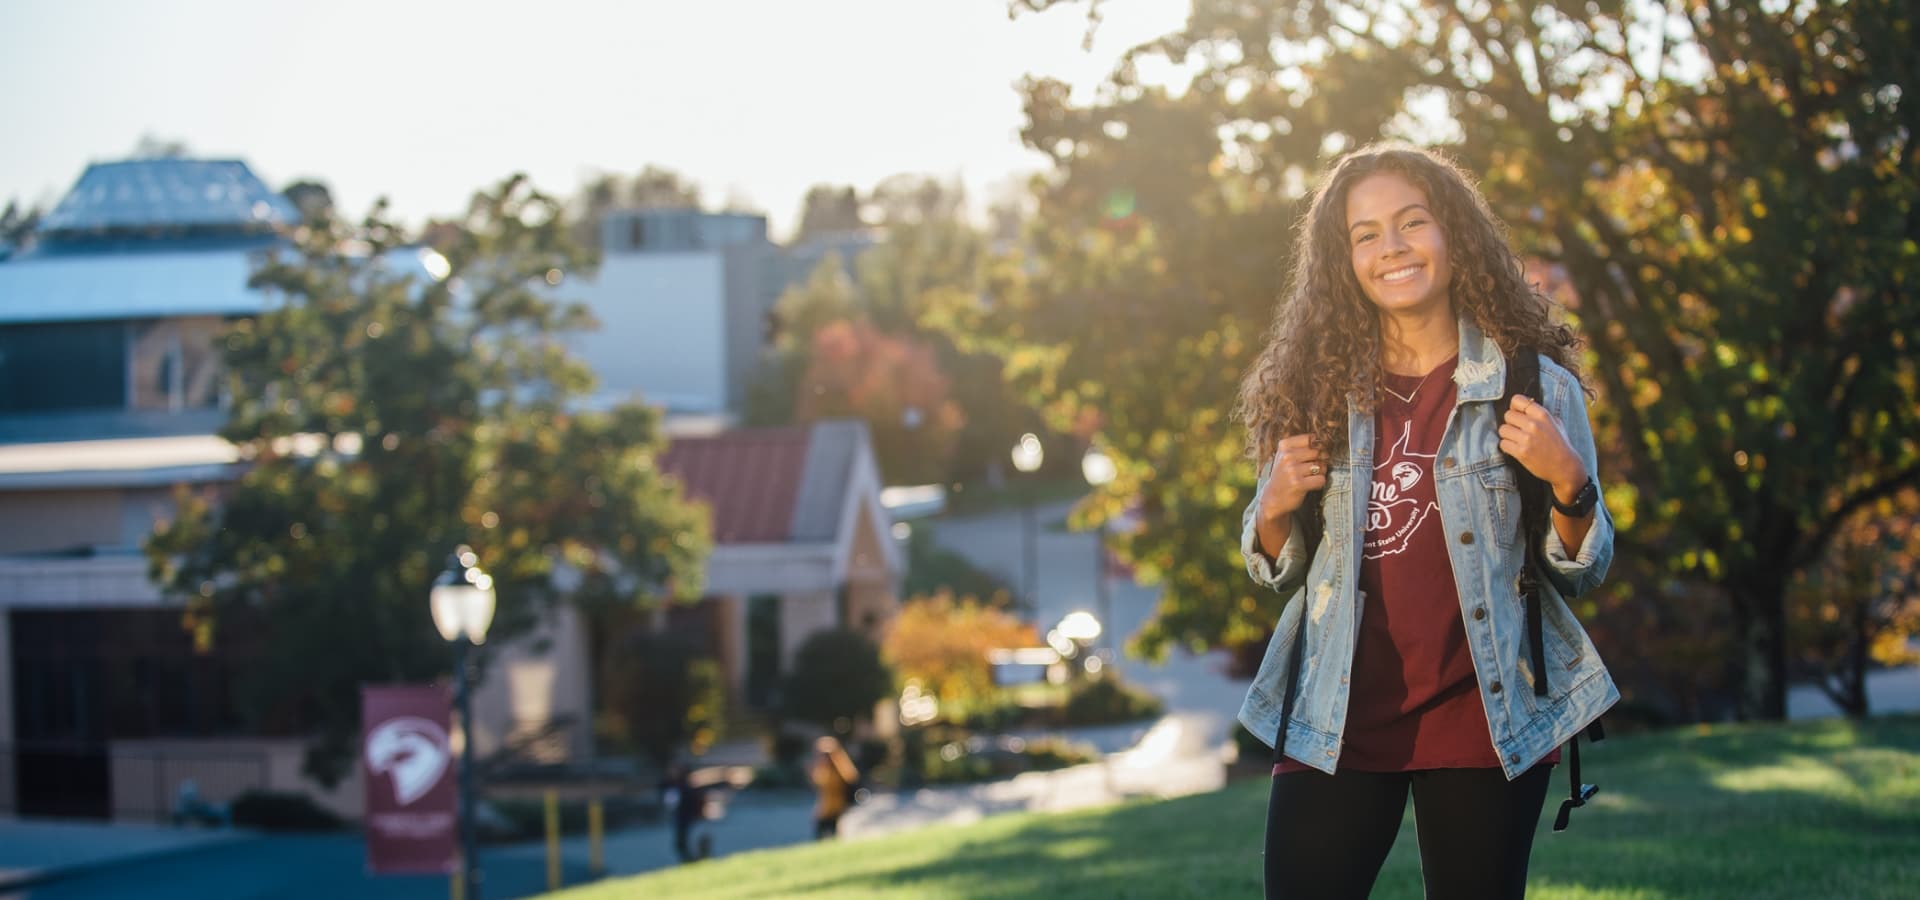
942	641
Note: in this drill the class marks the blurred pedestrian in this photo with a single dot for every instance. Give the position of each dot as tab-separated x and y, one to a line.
834	781
1426	646
686	802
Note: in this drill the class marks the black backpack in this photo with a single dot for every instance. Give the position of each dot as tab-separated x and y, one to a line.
1523	377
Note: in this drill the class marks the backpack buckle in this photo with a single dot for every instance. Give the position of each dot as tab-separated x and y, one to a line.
1567	806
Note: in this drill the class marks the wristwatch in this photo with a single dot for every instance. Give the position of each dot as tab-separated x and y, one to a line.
1583	501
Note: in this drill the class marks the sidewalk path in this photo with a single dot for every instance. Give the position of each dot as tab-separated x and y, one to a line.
36	850
1177	756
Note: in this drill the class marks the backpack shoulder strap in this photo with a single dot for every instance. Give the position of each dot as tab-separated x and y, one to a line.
1536	516
1523	378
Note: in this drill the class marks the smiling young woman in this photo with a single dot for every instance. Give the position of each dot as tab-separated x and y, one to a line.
1376	408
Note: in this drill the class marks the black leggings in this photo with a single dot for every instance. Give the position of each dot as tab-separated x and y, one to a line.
1327	835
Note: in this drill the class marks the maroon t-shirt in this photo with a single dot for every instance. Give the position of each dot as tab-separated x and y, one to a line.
1415	699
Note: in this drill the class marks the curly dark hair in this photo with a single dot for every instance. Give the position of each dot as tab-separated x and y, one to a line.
1325	340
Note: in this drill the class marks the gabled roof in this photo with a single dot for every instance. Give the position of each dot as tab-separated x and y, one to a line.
749	477
771	485
147	194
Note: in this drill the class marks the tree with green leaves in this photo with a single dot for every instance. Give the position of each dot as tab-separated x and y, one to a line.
1860	605
386	417
311	197
17	223
653	187
929	258
1730	189
828	209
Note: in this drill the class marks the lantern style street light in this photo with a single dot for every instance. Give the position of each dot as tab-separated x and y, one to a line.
1027	455
462	603
1099	470
1072	638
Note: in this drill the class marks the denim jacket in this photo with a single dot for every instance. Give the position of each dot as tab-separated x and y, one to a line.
1480	511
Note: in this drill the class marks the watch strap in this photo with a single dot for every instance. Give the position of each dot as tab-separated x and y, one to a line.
1583	500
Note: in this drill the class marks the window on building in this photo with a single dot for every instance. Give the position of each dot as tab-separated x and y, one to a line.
763	648
62	366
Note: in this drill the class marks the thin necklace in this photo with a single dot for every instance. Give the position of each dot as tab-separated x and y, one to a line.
1407	398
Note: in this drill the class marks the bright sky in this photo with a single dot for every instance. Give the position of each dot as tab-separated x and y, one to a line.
424	102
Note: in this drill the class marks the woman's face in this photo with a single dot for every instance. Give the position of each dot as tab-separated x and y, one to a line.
1398	252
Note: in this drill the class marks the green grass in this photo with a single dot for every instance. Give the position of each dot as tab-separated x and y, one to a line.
1824	809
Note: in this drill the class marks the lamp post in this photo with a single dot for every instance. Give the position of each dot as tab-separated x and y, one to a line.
1081	629
462	603
1027	455
1099	470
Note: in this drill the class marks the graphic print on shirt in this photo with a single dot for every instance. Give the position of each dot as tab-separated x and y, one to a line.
1394	514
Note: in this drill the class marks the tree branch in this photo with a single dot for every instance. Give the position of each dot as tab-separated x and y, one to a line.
1823	532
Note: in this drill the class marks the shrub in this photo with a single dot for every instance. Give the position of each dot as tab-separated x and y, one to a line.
1249	745
982	758
942	642
837	677
658	694
780	776
870	754
283	811
788	747
1103	701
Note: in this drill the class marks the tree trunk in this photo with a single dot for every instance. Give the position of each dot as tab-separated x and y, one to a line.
1760	625
1855	673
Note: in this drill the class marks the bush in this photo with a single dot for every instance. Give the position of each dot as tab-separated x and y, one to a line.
659	694
870	754
283	811
1104	701
981	758
1248	745
788	748
942	641
837	677
778	776
999	711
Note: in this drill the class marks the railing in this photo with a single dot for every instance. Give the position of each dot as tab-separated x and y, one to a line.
125	783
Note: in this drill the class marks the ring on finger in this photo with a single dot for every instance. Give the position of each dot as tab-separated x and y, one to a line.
1313	469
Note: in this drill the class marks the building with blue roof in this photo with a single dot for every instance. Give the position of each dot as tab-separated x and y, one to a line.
108	314
140	201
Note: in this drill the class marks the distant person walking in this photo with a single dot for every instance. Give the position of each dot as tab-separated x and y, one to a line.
687	802
1426	645
834	780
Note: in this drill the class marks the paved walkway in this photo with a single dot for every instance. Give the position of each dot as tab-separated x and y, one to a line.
1174	756
33	850
1178	755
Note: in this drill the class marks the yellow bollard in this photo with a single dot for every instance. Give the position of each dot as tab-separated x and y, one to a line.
458	883
553	840
596	833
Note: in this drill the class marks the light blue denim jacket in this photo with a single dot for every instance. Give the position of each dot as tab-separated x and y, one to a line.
1480	510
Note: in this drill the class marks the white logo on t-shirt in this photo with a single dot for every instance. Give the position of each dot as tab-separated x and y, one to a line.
1393	516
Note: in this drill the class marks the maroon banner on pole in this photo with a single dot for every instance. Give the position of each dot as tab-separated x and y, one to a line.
411	785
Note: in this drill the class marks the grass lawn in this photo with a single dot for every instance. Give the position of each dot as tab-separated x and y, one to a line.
1822	809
